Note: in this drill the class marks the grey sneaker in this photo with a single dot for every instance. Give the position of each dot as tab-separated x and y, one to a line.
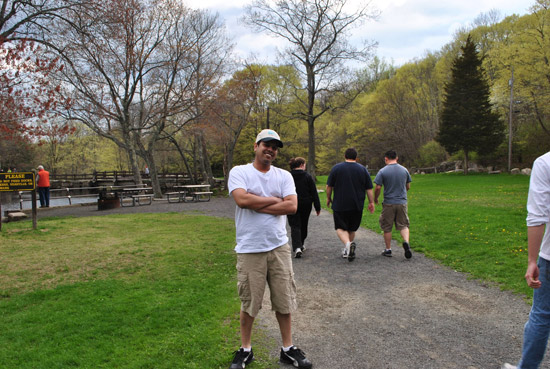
407	248
387	252
508	366
345	253
296	357
241	359
351	255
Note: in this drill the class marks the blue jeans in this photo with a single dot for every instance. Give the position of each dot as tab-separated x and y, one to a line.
44	196
537	328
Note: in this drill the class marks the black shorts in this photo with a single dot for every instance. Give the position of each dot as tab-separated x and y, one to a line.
347	220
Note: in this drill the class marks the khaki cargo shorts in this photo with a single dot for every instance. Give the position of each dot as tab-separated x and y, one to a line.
394	213
273	268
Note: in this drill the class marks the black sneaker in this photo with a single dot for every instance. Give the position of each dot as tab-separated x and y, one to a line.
407	248
351	255
298	253
241	359
296	357
387	253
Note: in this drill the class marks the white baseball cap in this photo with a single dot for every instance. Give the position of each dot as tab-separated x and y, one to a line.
269	135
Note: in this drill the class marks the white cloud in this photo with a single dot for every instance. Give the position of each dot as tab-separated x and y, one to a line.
405	30
215	4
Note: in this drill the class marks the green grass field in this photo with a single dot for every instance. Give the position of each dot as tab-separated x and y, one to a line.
159	290
120	291
474	224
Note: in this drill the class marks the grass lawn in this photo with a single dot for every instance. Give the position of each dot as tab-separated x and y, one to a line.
474	224
120	291
159	290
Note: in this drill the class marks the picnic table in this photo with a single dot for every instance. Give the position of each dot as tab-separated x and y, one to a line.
137	195
190	193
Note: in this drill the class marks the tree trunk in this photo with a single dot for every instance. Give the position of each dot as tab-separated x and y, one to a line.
206	169
153	173
132	156
311	167
182	154
466	161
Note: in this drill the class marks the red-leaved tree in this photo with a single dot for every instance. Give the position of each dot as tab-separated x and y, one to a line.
28	98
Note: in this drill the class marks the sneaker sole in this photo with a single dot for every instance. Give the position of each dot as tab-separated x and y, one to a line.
351	255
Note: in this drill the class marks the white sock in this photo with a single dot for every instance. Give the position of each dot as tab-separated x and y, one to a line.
245	349
285	349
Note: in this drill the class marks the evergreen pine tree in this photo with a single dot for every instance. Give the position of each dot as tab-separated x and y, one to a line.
468	122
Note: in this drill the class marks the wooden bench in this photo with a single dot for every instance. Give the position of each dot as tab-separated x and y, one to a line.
148	197
175	196
139	199
201	196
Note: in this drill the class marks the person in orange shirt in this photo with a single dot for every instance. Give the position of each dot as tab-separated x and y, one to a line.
43	184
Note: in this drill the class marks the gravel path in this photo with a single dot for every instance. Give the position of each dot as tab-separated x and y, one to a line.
378	312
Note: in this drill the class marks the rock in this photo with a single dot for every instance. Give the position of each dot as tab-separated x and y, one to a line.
17	215
526	171
515	171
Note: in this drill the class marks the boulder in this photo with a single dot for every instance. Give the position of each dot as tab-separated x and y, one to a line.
515	171
526	171
16	215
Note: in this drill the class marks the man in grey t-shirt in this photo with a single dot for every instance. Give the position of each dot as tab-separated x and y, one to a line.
396	181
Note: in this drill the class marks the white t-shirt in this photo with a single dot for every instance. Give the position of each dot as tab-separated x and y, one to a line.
538	201
259	232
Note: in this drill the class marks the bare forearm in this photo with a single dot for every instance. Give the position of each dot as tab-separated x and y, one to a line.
282	208
250	201
329	195
534	240
370	196
376	193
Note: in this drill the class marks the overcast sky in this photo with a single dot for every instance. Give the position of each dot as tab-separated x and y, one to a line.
405	29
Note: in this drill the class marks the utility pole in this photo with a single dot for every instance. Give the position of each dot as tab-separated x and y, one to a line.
511	83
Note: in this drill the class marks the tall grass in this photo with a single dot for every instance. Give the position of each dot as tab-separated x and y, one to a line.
121	291
474	224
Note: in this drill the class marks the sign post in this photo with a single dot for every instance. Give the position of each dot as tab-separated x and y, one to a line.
19	181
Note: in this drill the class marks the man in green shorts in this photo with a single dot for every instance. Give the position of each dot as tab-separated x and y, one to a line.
396	181
264	195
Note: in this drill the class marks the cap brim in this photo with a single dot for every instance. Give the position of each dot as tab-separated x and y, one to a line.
280	143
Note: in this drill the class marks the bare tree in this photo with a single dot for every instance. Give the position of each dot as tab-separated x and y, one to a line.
317	32
235	103
211	61
29	19
133	68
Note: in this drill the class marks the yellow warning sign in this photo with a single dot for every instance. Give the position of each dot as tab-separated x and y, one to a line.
18	181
